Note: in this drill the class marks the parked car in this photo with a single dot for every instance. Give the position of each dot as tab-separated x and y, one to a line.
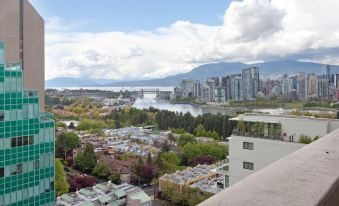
143	185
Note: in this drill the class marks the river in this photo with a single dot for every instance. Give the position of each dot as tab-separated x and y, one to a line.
150	100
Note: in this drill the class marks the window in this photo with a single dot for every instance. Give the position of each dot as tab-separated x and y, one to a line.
2	115
248	165
36	164
25	140
52	185
248	145
22	141
31	140
2	172
50	188
17	169
19	142
13	142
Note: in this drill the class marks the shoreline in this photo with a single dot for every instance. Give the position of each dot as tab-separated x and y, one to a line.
208	106
211	106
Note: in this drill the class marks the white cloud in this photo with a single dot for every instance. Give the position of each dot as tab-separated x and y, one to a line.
251	19
253	30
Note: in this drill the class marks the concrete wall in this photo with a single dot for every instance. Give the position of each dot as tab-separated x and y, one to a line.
309	127
9	29
34	52
33	43
264	152
334	124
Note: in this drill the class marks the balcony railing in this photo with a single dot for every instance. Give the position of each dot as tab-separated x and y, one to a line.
256	135
12	66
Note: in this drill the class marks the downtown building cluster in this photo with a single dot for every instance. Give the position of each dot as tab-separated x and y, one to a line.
311	86
248	86
244	86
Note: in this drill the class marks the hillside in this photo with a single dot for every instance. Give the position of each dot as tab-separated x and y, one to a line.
271	69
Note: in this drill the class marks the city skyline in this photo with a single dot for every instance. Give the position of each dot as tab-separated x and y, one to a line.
249	85
258	114
180	42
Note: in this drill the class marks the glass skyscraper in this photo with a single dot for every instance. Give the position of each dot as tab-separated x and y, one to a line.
26	142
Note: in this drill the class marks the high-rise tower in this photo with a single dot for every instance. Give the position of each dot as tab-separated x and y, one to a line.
250	83
26	142
22	30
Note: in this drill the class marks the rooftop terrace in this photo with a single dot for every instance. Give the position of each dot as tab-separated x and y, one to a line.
269	118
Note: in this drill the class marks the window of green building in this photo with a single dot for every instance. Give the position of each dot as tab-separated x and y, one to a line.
2	172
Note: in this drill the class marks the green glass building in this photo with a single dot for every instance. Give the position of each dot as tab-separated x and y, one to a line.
26	142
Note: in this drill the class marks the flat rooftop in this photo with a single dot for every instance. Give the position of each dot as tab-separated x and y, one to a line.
180	177
269	118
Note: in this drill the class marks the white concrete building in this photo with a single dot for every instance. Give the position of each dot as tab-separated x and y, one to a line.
260	140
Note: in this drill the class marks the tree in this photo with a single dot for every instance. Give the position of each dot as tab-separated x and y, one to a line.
86	160
214	149
147	173
81	181
102	170
65	143
177	131
90	124
61	184
200	131
61	124
186	138
204	159
73	185
169	162
115	178
166	146
71	126
149	159
214	135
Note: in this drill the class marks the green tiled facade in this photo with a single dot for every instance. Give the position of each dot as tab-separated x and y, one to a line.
26	142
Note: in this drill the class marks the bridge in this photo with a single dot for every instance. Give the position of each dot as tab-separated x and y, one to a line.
157	92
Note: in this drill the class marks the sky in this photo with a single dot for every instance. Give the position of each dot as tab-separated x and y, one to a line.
145	39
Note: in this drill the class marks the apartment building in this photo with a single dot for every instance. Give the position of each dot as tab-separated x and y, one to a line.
250	83
22	30
26	142
260	140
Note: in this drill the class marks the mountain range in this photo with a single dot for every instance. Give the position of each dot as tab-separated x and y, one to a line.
271	69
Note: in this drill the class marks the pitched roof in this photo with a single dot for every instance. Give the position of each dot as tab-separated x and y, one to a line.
122	167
